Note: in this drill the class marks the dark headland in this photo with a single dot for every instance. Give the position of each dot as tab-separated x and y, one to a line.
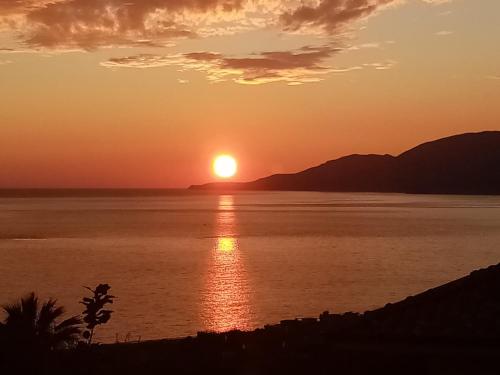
461	164
452	329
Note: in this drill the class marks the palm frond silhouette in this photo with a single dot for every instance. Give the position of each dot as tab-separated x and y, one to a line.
37	324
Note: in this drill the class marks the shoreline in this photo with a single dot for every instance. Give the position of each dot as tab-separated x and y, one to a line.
450	329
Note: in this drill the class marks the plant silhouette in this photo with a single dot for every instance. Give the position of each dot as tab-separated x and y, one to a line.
37	325
31	331
94	313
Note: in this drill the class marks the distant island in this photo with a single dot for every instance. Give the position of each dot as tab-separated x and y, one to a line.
461	164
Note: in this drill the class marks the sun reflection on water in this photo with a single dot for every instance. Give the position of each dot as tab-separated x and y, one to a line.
226	296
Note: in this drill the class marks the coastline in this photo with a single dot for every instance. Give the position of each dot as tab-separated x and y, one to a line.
453	328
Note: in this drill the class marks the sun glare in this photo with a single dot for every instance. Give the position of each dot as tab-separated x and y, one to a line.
225	166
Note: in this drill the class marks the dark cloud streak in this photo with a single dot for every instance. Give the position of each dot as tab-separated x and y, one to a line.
332	15
295	67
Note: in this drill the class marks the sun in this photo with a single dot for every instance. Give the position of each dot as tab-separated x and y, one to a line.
225	166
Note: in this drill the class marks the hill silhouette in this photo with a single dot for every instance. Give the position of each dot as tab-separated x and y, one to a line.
461	164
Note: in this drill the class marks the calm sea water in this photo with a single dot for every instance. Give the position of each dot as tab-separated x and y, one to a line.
181	262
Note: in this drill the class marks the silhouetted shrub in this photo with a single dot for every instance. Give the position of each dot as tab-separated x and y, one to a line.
94	313
31	331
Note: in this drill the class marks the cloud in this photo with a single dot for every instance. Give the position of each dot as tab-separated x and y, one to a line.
389	64
493	77
444	33
304	65
331	15
203	56
70	25
143	61
91	24
12	6
94	23
437	2
294	67
334	16
306	58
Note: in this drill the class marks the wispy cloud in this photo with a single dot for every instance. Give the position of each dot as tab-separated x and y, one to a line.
76	25
294	67
91	24
331	15
493	77
389	64
437	2
305	65
444	33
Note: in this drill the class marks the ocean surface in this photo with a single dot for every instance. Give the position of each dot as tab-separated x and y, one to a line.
182	262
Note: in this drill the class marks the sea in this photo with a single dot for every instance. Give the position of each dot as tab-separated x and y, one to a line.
181	261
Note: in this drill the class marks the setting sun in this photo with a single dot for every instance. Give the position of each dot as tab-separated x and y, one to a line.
225	166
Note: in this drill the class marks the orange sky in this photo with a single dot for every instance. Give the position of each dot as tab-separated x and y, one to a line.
115	93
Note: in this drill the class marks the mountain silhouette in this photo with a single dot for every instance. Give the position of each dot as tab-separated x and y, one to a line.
461	164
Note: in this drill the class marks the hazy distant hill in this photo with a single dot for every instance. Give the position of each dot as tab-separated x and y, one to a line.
461	164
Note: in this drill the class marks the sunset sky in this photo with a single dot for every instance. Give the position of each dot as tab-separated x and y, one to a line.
144	93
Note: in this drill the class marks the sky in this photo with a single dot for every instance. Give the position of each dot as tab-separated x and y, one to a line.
144	93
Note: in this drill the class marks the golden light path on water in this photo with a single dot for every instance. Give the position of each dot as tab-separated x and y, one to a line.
226	302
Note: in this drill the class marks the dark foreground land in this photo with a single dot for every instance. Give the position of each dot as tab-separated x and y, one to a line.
452	329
